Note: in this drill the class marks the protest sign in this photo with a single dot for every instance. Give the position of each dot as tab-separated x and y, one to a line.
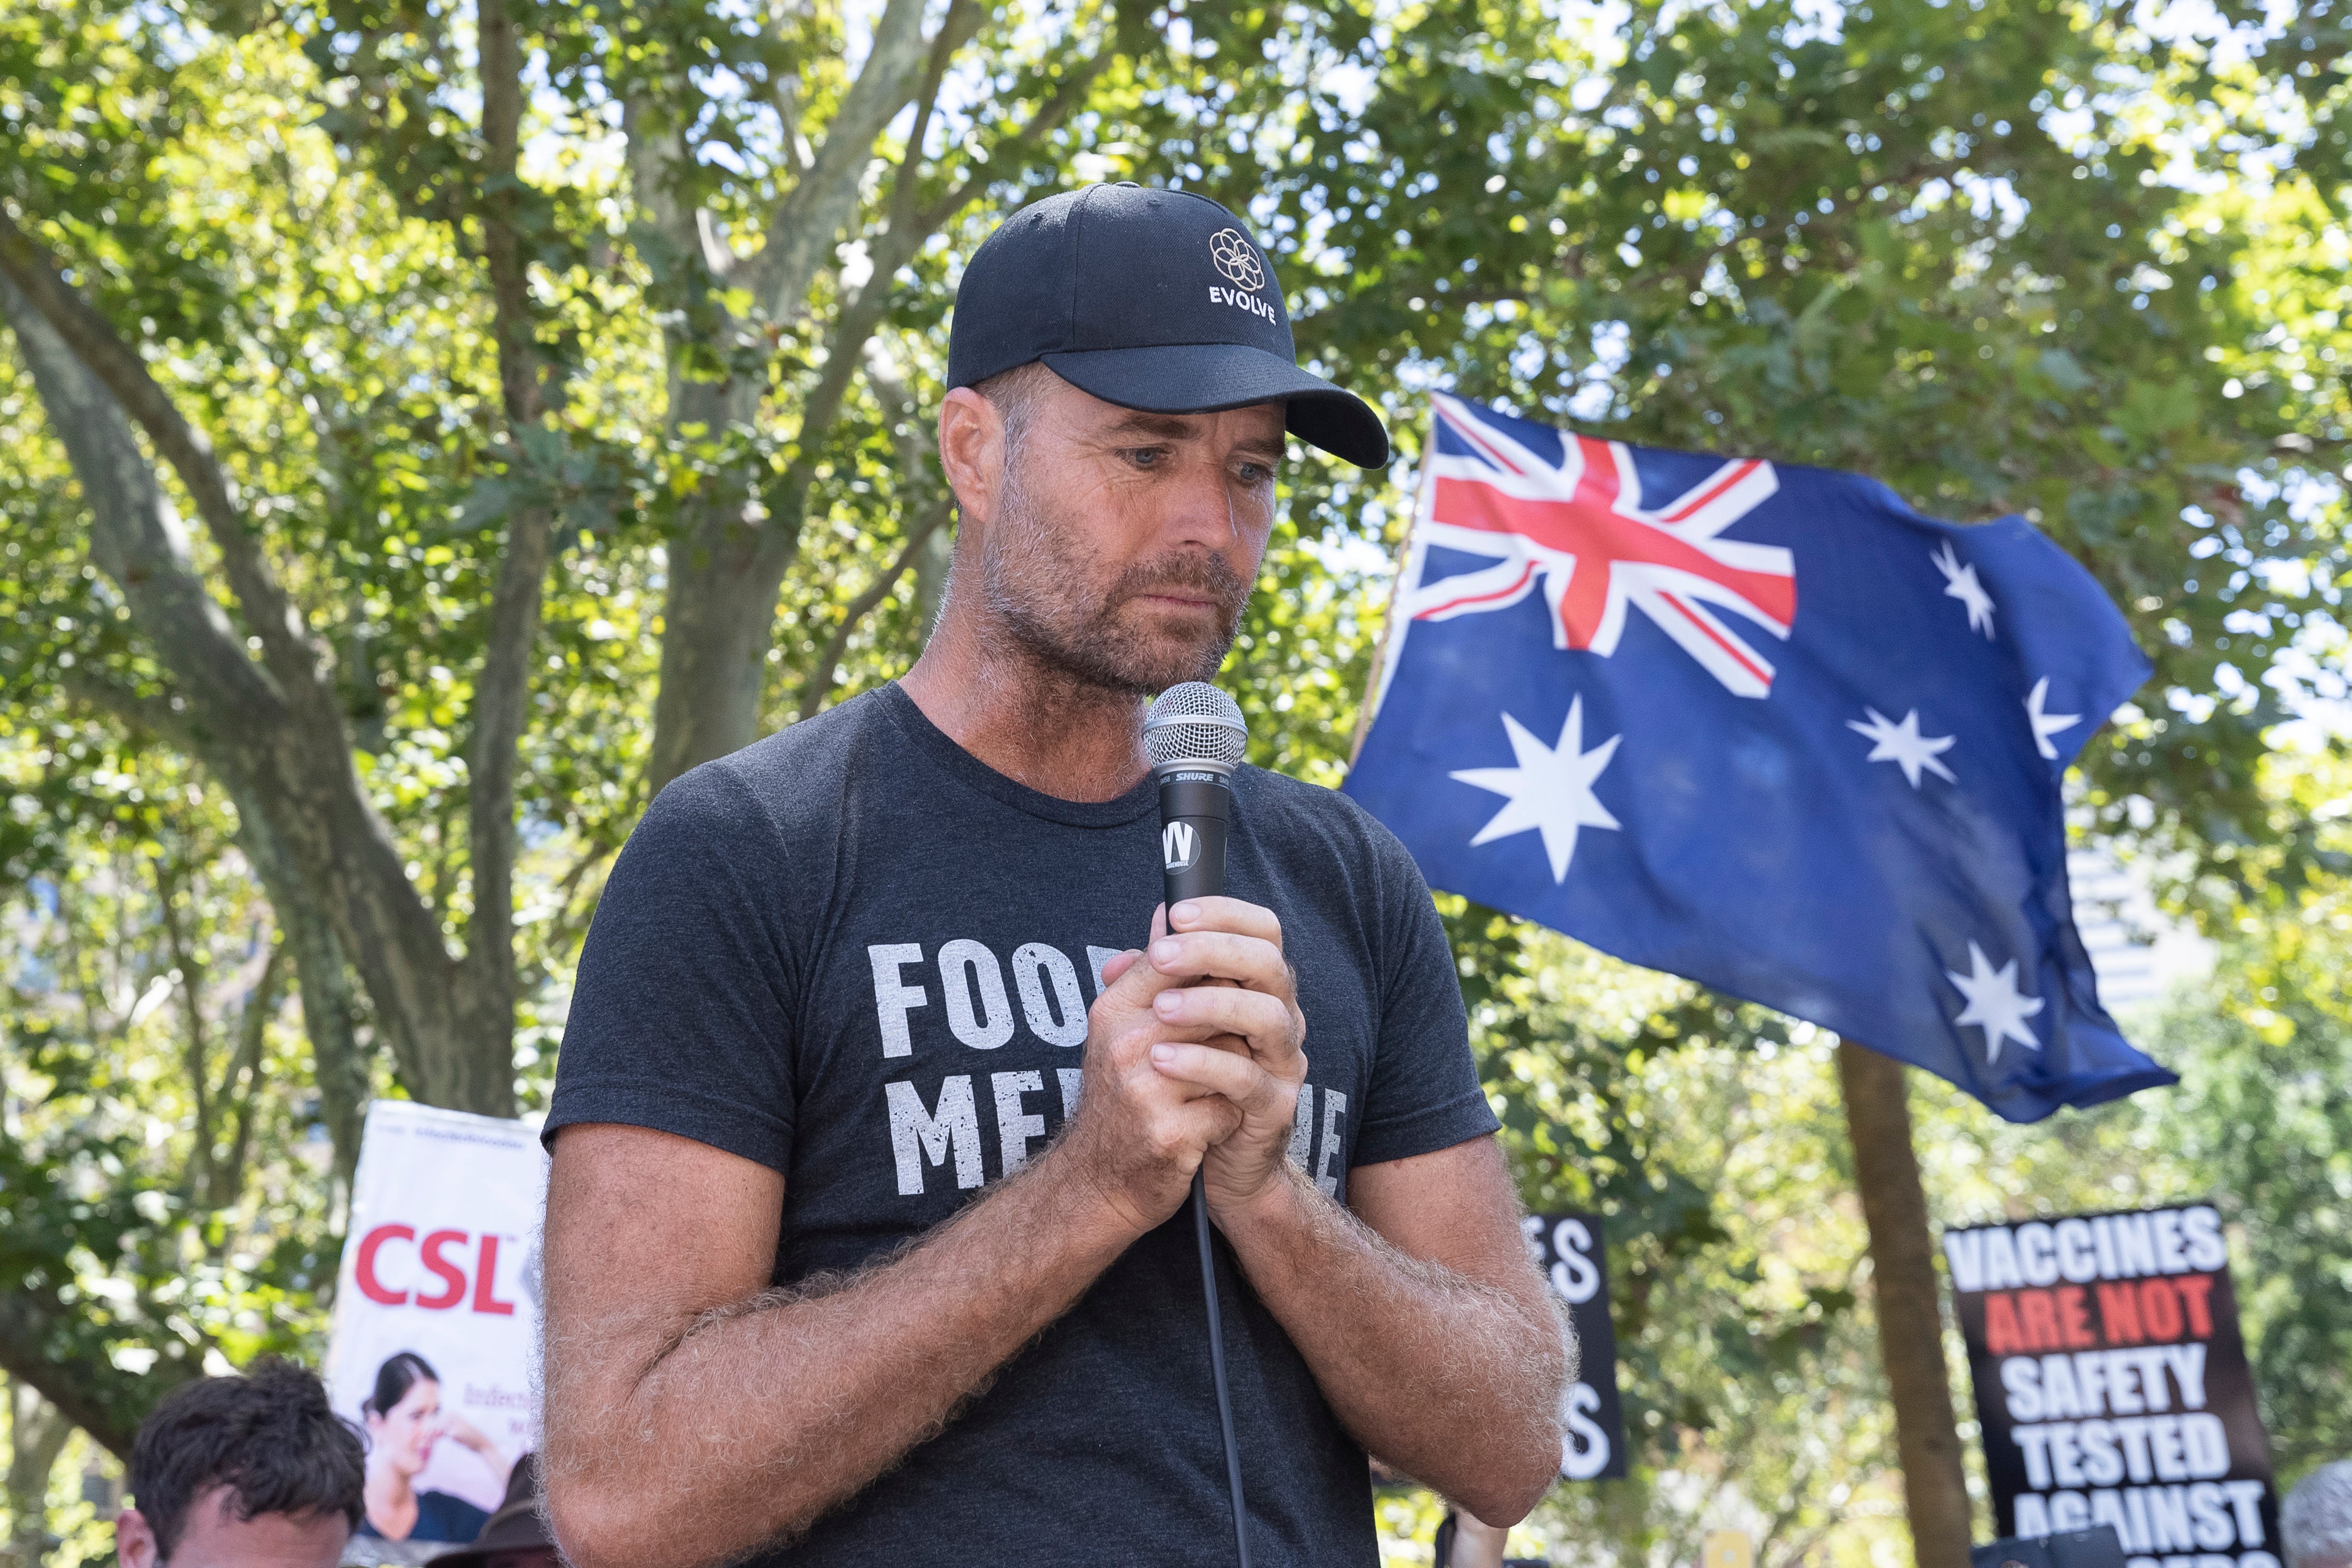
436	1314
2112	1385
1566	1248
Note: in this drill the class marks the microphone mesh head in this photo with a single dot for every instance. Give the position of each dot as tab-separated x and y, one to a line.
1195	722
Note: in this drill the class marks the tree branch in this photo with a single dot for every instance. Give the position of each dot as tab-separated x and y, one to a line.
36	1350
328	1010
651	158
241	1081
801	231
279	746
500	710
320	974
135	537
856	322
502	247
38	1434
158	715
820	682
503	690
725	573
117	367
194	1053
962	19
1075	85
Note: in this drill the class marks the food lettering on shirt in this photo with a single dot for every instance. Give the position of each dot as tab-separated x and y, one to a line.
977	1009
1335	1110
964	965
1062	1020
917	1135
893	998
1015	1125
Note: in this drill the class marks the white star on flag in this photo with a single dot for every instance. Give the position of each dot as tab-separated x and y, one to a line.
1995	1004
1903	745
1960	583
2047	724
1551	790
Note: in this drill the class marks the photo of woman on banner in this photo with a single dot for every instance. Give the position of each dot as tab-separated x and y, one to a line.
405	1420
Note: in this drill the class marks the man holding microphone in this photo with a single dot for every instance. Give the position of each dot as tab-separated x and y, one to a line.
873	1122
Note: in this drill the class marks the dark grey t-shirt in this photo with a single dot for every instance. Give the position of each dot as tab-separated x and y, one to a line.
855	954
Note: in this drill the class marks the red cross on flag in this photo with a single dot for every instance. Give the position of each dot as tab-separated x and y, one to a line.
1580	532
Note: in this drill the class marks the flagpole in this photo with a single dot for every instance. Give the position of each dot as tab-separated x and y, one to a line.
1909	1304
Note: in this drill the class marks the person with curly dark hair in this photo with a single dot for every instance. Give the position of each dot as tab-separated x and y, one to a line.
256	1471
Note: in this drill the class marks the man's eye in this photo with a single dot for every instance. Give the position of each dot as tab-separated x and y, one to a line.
1145	457
1253	474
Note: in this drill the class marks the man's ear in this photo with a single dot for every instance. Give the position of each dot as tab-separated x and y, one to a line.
134	1541
971	453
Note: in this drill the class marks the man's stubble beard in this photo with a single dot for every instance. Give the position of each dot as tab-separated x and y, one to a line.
1033	560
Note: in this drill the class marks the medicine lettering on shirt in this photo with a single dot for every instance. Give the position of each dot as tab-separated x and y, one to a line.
977	1007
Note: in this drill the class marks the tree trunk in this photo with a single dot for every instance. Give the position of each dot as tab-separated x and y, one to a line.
719	621
273	733
1909	1303
329	1013
727	569
49	1346
36	1435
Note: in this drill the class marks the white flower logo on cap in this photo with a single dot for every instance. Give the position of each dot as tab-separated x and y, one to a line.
1236	257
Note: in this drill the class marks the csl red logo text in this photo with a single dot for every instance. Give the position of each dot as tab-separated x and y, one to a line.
434	1253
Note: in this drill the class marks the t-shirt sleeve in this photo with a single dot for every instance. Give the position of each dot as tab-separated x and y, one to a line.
682	1013
1424	1091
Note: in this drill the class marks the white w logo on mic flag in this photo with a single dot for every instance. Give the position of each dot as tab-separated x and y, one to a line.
1178	844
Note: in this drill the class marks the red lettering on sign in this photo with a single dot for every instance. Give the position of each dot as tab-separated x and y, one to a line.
452	1276
486	1279
2074	1318
2040	1315
2194	1290
2119	1314
2002	1335
2160	1309
370	1286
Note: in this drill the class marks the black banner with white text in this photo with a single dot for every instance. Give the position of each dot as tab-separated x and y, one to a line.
1566	1248
2112	1385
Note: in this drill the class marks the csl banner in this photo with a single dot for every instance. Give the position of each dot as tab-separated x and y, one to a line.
2112	1385
436	1315
1566	1248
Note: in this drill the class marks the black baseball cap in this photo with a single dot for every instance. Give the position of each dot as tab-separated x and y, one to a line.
1152	300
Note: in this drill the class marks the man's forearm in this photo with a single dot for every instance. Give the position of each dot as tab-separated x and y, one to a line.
1453	1380
761	1416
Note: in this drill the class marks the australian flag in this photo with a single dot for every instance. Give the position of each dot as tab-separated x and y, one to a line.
1766	726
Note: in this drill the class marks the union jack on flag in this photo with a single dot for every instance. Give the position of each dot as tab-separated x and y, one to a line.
1599	707
1577	528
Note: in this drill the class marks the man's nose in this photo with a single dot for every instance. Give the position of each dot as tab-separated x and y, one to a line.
1199	506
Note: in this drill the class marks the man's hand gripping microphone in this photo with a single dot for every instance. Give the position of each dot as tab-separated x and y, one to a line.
1195	737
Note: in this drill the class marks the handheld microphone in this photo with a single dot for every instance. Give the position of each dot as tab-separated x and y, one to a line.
1195	736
